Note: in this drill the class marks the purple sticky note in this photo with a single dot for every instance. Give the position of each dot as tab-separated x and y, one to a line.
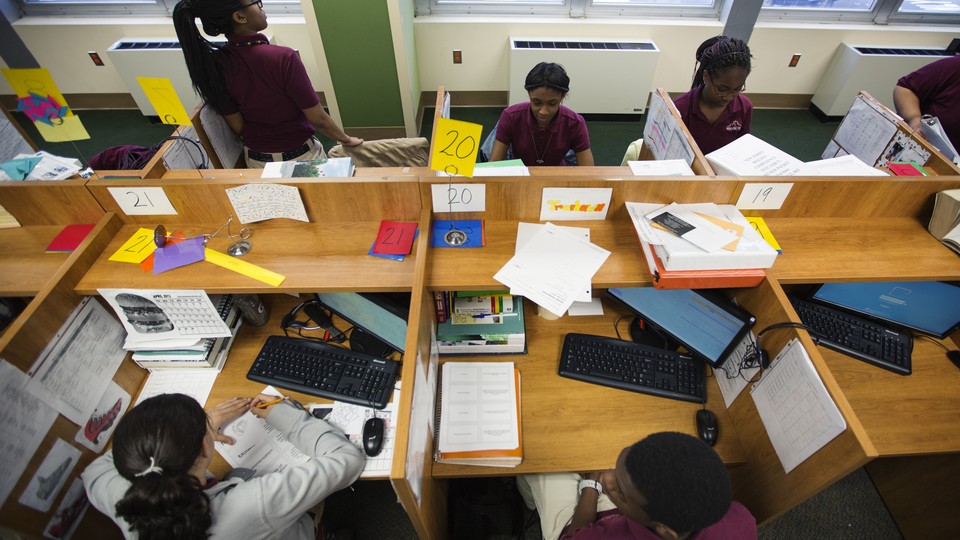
174	256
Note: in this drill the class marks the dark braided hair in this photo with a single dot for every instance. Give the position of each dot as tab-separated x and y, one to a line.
203	57
154	447
718	54
686	485
549	75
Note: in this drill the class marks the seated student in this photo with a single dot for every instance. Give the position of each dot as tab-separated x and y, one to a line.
262	90
933	89
542	131
667	486
715	111
154	484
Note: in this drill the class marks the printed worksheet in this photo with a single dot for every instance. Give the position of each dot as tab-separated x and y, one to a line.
259	448
478	407
259	202
51	476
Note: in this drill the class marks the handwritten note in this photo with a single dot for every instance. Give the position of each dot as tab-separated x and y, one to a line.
764	196
143	201
459	197
395	237
163	97
24	421
137	248
259	202
455	146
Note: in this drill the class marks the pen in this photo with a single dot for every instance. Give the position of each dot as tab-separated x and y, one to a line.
485	315
269	403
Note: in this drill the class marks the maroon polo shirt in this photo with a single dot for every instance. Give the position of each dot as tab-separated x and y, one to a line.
938	86
270	89
733	122
519	128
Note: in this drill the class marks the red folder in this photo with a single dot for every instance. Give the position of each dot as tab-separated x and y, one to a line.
69	238
697	279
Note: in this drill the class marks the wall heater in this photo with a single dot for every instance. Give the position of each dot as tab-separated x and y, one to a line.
609	76
873	68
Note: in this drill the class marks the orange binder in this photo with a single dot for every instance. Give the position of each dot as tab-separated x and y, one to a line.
697	279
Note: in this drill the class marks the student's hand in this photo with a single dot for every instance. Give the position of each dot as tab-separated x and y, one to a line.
223	413
353	141
260	400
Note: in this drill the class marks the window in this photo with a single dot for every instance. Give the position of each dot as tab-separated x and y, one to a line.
574	8
879	11
157	8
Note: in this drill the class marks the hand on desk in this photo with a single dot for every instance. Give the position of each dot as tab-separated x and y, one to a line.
224	413
353	142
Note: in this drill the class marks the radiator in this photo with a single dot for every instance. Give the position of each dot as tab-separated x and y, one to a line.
609	76
872	68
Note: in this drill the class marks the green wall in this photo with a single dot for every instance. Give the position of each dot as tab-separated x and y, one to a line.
359	50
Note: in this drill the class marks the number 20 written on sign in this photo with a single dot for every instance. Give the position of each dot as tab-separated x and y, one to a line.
459	197
454	149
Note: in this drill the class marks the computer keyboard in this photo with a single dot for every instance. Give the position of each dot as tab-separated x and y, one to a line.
324	370
856	336
631	366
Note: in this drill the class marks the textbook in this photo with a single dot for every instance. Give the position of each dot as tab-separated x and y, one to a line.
945	222
750	156
478	415
500	333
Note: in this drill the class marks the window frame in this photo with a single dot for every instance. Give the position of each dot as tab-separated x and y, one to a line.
884	12
141	8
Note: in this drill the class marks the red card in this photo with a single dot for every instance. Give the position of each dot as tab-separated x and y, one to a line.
69	238
395	237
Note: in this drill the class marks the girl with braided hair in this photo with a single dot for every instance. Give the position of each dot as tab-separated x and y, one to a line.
154	482
262	90
715	111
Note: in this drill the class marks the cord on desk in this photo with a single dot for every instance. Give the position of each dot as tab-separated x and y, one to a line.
916	336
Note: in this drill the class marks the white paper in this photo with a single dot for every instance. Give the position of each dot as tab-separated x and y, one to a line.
184	155
69	514
831	150
751	156
526	231
662	132
351	418
478	409
756	196
797	411
143	201
848	165
12	142
98	428
50	167
50	476
575	204
196	383
551	268
593	307
422	415
459	197
159	314
902	147
259	202
865	131
75	368
24	421
665	167
705	235
734	374
224	141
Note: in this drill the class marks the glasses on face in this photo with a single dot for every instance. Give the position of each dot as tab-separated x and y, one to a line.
258	3
724	91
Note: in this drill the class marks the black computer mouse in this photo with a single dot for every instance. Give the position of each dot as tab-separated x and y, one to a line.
707	428
954	356
373	436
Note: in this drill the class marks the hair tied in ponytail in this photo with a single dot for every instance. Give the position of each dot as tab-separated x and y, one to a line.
153	468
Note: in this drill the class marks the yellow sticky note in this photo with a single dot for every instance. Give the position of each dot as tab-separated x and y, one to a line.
137	248
164	99
760	226
455	145
243	267
37	81
66	128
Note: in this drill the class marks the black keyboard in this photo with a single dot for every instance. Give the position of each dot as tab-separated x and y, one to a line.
858	337
324	370
631	366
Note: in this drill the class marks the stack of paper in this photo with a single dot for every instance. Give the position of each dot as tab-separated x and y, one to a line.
479	407
664	167
49	167
512	167
750	156
945	221
848	165
176	329
333	167
554	268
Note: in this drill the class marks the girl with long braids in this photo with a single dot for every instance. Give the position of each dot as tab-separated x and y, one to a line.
262	90
154	482
715	111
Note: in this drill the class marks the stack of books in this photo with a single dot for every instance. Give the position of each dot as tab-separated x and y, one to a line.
484	322
945	221
478	415
208	353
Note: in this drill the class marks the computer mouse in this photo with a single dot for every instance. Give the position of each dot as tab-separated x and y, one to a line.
707	428
954	356
373	436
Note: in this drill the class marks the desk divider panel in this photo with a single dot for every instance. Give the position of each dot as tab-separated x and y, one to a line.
20	345
40	202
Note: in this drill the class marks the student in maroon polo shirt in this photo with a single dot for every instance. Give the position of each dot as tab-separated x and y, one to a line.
262	90
543	131
668	486
715	111
933	89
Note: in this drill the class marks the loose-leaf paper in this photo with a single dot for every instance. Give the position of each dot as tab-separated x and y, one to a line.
455	146
163	97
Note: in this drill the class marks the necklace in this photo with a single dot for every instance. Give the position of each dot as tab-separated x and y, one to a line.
251	43
537	150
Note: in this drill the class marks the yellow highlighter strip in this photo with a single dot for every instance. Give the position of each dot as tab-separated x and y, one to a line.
243	267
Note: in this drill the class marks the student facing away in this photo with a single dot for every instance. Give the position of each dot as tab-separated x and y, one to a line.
933	89
543	131
715	110
153	483
668	486
262	90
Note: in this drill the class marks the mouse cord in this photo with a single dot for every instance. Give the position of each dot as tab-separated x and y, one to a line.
616	326
930	339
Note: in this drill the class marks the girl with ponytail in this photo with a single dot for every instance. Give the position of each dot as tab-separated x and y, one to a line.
154	483
262	90
715	110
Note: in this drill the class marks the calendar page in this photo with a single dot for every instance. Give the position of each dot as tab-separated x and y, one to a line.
151	315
